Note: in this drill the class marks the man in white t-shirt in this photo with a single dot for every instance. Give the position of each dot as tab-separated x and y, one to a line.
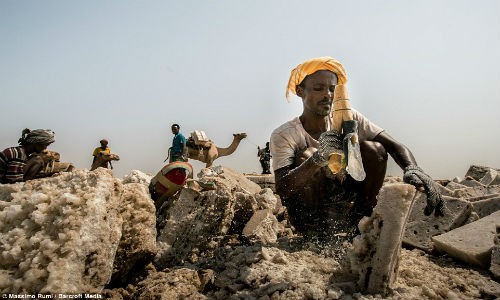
301	149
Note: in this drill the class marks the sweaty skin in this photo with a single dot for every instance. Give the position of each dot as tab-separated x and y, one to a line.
304	178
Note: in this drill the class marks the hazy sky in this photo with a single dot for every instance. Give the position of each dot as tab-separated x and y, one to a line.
427	71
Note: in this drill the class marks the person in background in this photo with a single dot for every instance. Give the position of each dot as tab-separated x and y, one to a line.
103	148
178	151
21	163
265	158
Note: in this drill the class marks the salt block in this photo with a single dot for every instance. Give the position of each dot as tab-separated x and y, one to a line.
477	172
376	251
455	186
235	180
469	182
262	225
486	207
471	243
420	228
474	199
496	181
489	177
476	191
444	190
200	138
263	180
495	256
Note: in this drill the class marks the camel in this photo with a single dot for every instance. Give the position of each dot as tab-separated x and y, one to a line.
102	160
211	152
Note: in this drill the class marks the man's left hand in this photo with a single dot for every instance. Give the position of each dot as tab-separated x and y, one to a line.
414	175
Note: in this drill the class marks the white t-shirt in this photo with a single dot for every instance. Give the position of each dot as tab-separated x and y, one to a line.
291	137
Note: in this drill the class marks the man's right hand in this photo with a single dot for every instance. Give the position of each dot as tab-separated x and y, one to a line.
329	142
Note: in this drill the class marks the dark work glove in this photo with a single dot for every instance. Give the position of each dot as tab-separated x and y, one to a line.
417	177
329	142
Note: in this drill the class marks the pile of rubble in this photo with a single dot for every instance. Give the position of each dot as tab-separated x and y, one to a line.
89	232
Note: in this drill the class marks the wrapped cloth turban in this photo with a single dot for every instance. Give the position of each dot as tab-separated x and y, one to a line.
310	66
37	136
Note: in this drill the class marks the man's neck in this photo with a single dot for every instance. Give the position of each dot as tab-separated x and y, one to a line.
315	125
28	149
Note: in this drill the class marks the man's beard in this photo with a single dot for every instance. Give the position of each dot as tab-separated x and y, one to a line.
324	112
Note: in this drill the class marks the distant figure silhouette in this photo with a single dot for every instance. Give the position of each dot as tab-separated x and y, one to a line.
265	158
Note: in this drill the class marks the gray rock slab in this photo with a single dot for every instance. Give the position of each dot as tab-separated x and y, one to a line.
239	180
496	181
233	180
478	172
489	177
472	218
486	207
420	228
444	190
469	182
478	198
455	186
476	191
471	243
263	180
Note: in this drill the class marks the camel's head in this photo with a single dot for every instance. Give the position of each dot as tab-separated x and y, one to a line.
108	156
240	136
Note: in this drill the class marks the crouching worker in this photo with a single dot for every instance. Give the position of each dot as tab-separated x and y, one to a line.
23	162
316	196
170	179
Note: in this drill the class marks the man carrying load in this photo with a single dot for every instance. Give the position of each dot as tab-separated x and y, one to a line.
23	163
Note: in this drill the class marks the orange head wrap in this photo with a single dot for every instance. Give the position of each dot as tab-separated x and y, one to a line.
310	66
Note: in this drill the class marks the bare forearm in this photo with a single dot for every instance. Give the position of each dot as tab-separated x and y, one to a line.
33	167
403	156
399	152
